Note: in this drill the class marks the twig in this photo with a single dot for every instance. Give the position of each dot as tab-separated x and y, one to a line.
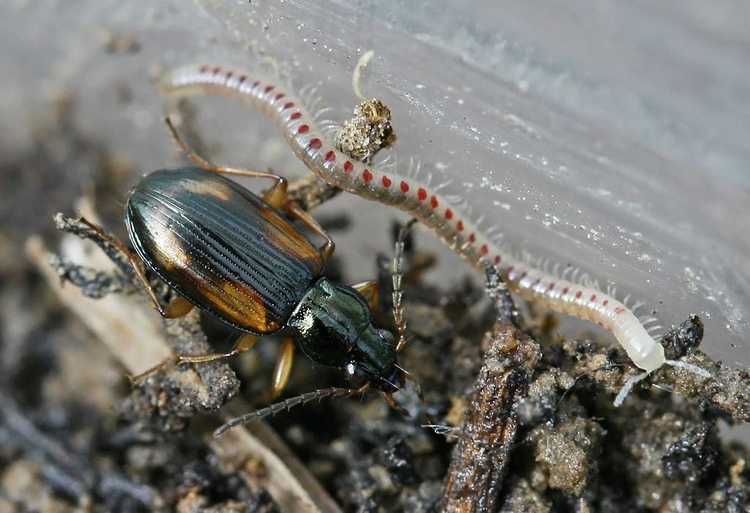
727	392
131	330
480	458
66	471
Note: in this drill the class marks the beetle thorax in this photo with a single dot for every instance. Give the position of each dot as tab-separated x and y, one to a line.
334	328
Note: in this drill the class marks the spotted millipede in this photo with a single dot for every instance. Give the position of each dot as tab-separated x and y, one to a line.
334	167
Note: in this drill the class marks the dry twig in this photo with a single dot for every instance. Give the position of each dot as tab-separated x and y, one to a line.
131	330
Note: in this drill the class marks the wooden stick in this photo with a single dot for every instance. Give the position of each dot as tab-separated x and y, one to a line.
132	331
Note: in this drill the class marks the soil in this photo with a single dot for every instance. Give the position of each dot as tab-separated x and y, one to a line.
77	436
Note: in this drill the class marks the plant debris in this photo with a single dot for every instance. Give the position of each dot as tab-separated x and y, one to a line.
510	418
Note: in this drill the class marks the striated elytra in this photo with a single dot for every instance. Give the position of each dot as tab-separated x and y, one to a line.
231	254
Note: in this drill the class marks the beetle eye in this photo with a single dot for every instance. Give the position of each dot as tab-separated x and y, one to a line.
356	375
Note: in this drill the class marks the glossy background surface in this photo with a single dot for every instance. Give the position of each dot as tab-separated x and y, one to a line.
612	135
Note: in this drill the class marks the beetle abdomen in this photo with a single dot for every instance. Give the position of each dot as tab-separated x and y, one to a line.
221	247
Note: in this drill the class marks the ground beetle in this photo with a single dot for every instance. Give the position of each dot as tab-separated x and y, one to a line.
237	256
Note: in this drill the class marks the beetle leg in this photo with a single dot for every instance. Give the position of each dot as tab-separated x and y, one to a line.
370	291
398	291
283	368
176	308
137	379
244	343
141	274
419	263
310	191
393	404
276	196
328	247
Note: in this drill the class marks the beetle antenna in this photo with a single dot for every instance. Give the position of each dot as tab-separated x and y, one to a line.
286	404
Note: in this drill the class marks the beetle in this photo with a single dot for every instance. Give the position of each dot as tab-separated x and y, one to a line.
237	256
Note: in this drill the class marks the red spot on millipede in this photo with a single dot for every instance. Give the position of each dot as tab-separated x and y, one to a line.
295	115
484	249
366	175
203	69
404	187
217	70
510	269
498	259
472	238
448	213
331	156
268	89
551	286
315	144
579	294
256	83
348	166
303	129
422	194
279	96
566	290
242	79
386	182
229	75
593	297
433	202
288	105
606	302
460	226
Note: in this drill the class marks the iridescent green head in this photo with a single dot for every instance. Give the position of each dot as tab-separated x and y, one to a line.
334	328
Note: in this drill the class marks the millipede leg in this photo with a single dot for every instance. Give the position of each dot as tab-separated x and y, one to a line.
283	368
628	386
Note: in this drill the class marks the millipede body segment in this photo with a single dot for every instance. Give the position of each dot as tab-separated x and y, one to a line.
459	233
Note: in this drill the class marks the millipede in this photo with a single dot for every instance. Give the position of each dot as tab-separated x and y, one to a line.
559	292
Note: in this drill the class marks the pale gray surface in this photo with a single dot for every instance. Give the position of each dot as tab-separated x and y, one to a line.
613	135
